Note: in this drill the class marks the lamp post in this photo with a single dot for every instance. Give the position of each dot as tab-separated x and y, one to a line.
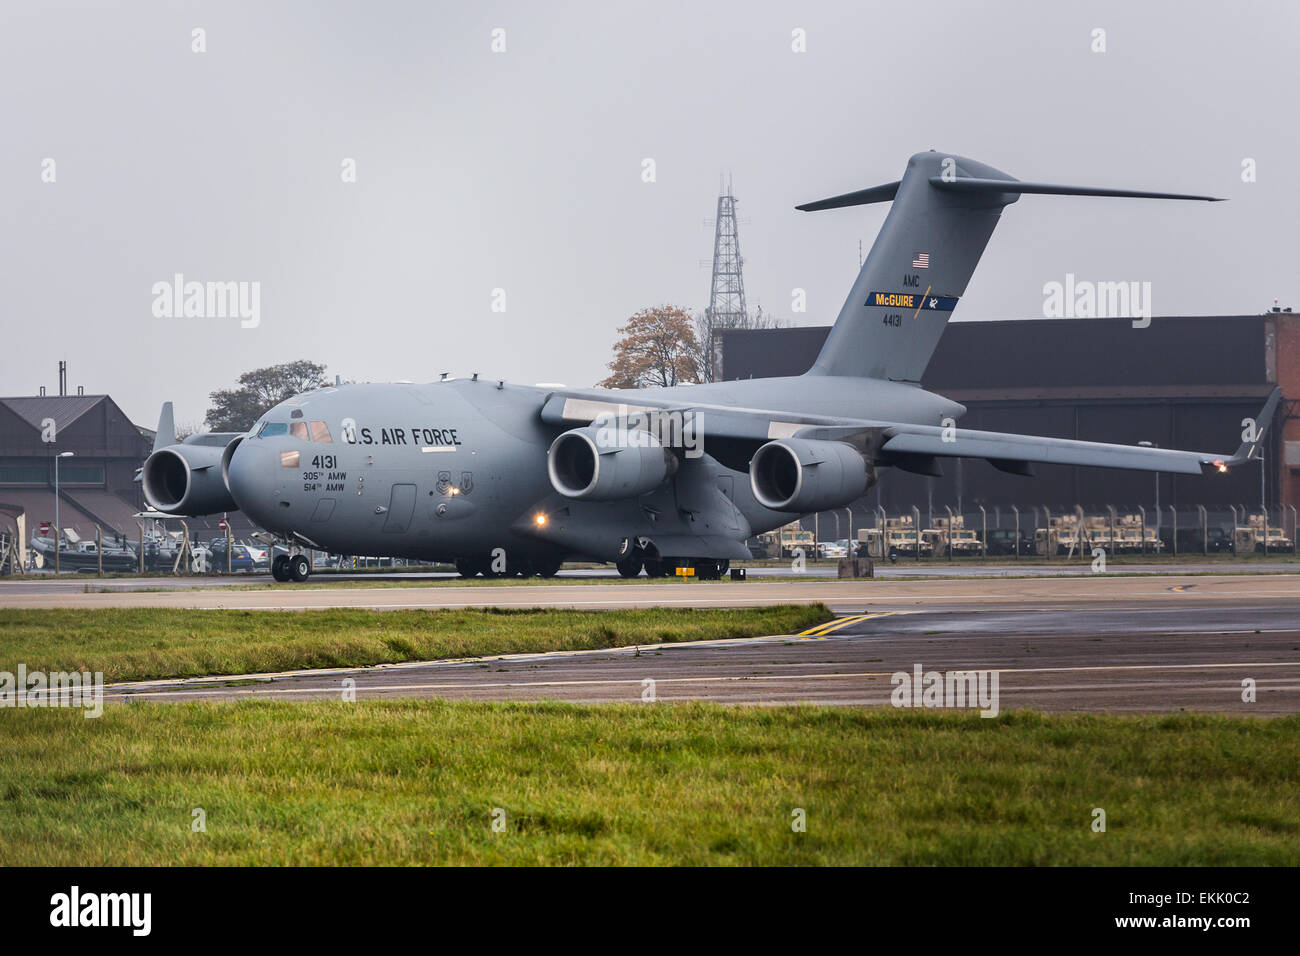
1151	444
58	532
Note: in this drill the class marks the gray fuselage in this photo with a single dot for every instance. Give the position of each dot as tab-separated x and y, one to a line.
459	468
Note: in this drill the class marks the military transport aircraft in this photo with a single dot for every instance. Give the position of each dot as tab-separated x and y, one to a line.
512	479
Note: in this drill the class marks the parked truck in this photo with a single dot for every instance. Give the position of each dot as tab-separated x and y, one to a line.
1061	536
783	541
951	534
1257	536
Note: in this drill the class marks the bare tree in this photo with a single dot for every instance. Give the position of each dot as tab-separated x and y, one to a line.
706	344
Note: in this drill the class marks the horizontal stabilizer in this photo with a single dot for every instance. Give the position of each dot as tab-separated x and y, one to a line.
862	197
986	186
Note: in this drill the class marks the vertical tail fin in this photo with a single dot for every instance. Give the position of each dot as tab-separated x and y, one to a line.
945	209
166	434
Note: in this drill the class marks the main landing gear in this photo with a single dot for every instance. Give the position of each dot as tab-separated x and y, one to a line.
706	569
291	567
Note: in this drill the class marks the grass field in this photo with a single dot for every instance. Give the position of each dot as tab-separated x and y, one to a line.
139	644
144	643
417	782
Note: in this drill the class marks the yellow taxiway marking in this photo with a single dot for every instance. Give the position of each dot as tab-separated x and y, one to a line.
821	630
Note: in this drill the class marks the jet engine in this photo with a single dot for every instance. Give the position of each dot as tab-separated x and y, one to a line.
186	480
603	463
805	475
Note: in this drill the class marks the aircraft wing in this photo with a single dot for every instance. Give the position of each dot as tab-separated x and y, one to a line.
732	434
1013	453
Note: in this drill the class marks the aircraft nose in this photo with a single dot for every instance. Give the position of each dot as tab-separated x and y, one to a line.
249	477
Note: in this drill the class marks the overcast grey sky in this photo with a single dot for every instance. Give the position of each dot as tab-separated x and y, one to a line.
522	170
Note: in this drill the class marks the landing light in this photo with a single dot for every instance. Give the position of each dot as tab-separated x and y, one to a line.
540	519
1221	466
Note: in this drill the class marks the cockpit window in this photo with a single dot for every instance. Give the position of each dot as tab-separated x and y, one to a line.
271	429
321	432
299	430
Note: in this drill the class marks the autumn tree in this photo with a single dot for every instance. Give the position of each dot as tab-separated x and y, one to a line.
657	348
238	409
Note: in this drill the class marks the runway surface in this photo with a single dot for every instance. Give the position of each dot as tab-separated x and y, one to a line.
839	595
1094	644
48	584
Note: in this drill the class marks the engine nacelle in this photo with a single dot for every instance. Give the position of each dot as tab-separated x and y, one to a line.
584	463
186	480
805	475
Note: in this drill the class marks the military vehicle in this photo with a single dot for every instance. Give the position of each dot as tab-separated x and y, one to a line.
512	479
870	539
1213	540
1097	533
1257	536
951	534
783	542
1003	541
901	538
1134	536
1063	535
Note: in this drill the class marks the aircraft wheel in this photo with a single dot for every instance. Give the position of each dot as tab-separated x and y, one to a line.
660	568
299	567
280	567
707	570
630	566
548	569
723	567
466	568
523	569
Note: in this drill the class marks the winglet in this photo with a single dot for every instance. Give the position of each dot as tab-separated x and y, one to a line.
1250	449
166	434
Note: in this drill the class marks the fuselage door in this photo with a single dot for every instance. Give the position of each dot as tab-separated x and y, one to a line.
401	505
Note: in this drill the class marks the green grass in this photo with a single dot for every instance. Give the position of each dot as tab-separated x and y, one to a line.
145	643
416	782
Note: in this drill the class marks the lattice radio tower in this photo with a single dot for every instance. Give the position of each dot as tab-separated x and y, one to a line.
727	297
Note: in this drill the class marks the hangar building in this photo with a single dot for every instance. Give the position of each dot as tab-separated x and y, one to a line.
1182	382
97	483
